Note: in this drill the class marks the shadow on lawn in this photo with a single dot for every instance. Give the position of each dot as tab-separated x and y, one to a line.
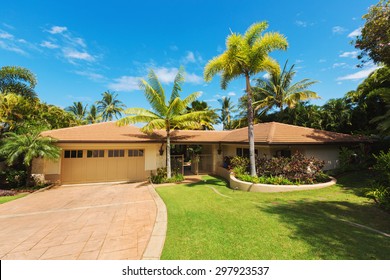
209	180
319	225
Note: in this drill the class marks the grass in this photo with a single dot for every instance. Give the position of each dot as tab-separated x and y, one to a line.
297	225
4	199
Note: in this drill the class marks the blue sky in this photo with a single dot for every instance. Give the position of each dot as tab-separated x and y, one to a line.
79	49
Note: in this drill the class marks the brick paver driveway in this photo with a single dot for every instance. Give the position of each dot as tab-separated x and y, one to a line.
78	222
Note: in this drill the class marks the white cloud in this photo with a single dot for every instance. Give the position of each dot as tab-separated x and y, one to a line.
49	45
125	83
298	61
73	54
57	29
190	57
193	78
79	98
166	75
358	75
338	30
12	48
173	48
352	54
211	100
341	64
355	33
231	93
322	60
6	35
266	76
301	23
91	75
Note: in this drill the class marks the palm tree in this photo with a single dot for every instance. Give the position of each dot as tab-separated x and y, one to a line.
227	108
110	106
167	115
18	80
206	123
336	115
279	92
27	147
78	110
245	56
93	116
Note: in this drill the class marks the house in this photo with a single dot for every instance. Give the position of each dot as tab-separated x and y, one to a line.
106	152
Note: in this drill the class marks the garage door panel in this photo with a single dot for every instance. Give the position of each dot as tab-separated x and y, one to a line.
103	169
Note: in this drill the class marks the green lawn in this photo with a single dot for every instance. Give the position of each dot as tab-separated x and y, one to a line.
297	225
4	199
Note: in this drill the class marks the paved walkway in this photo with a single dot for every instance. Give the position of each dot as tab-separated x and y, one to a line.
79	222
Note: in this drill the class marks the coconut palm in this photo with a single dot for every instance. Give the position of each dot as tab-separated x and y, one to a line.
206	123
245	56
79	110
18	80
27	147
93	116
279	92
110	107
167	115
227	108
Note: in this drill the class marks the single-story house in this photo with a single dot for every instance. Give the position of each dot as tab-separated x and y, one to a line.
105	152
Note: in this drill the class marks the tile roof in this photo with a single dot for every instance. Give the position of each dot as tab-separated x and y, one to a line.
265	133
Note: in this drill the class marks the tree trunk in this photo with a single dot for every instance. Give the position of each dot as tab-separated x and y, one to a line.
169	174
251	137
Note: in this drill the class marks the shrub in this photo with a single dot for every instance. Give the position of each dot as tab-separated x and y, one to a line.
282	170
380	194
14	178
7	192
382	165
161	177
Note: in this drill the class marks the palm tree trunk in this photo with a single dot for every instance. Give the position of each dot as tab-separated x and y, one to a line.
251	137
169	174
29	180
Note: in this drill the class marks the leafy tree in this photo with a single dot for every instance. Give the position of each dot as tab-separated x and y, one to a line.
374	40
384	120
18	80
245	56
206	122
26	147
279	92
19	114
337	115
227	109
93	116
165	114
79	110
110	107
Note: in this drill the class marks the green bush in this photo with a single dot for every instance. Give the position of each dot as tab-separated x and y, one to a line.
382	165
380	194
161	177
14	178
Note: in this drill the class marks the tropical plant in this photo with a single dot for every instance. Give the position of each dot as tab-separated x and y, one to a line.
26	147
245	56
93	116
227	109
374	40
18	80
167	115
109	106
207	123
279	92
337	115
79	110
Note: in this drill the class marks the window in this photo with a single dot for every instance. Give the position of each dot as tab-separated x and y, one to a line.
95	153
116	153
243	152
73	153
135	153
283	153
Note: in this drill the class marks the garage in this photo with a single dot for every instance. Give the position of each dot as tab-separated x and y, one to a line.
102	165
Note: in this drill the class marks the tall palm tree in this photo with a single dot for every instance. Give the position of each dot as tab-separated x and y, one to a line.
27	147
18	80
110	107
93	116
79	110
245	56
227	108
279	92
167	115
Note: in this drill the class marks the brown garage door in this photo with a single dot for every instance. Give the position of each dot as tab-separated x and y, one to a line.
91	166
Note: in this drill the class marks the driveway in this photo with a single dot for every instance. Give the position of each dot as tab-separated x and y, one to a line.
111	221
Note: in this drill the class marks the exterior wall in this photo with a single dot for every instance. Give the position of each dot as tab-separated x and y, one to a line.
230	150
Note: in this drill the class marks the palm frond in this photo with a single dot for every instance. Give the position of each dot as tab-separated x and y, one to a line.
254	31
156	100
179	79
